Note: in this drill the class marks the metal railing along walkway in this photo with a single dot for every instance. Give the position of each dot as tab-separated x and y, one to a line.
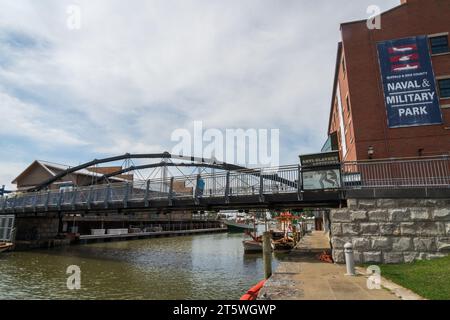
397	173
280	180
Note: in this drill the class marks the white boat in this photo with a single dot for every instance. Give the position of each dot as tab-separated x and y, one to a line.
252	246
5	246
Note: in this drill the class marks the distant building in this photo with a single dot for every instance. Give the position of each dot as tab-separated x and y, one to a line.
40	171
391	93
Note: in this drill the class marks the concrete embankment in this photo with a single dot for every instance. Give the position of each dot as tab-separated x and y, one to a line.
302	276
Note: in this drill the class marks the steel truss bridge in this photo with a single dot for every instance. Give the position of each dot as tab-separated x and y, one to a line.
215	185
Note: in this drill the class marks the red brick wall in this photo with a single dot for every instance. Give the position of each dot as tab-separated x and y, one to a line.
363	83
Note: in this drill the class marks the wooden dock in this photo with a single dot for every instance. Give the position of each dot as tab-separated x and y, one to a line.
84	239
315	242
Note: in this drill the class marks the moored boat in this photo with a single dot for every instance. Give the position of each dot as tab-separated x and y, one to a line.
239	227
252	246
5	246
277	235
285	244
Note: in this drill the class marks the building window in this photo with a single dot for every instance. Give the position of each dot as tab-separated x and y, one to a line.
344	68
439	44
349	130
444	88
347	101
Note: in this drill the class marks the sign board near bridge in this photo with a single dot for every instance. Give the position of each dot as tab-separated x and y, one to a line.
321	180
321	171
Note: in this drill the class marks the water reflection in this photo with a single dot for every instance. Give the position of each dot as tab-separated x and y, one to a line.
195	267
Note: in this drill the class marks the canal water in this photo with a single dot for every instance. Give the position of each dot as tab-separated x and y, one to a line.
193	267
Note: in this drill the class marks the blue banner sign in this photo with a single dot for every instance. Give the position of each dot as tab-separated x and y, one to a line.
408	81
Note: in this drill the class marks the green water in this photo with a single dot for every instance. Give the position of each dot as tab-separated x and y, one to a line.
194	267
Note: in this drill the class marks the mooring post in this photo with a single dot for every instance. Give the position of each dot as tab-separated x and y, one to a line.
267	255
349	259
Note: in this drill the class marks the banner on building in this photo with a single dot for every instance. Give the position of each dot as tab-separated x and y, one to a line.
408	81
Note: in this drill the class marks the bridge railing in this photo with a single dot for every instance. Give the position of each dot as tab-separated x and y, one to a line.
224	184
386	174
397	173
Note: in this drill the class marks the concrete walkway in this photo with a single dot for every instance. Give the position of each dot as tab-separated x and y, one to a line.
304	277
316	242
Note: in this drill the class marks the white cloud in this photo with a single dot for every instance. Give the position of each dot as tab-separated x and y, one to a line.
10	170
119	144
29	121
138	70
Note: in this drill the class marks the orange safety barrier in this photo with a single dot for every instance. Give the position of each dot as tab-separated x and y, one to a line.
252	294
325	257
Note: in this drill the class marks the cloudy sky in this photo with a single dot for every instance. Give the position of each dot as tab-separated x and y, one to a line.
138	70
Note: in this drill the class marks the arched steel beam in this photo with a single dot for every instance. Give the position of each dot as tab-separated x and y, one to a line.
165	155
253	172
156	165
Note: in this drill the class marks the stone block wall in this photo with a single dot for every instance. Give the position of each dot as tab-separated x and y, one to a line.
391	230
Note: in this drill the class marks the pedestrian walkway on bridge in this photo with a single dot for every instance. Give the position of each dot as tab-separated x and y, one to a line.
228	186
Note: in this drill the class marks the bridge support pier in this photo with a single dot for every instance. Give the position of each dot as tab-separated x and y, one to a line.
37	232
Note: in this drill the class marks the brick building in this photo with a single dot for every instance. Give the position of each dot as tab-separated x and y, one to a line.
39	171
359	117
